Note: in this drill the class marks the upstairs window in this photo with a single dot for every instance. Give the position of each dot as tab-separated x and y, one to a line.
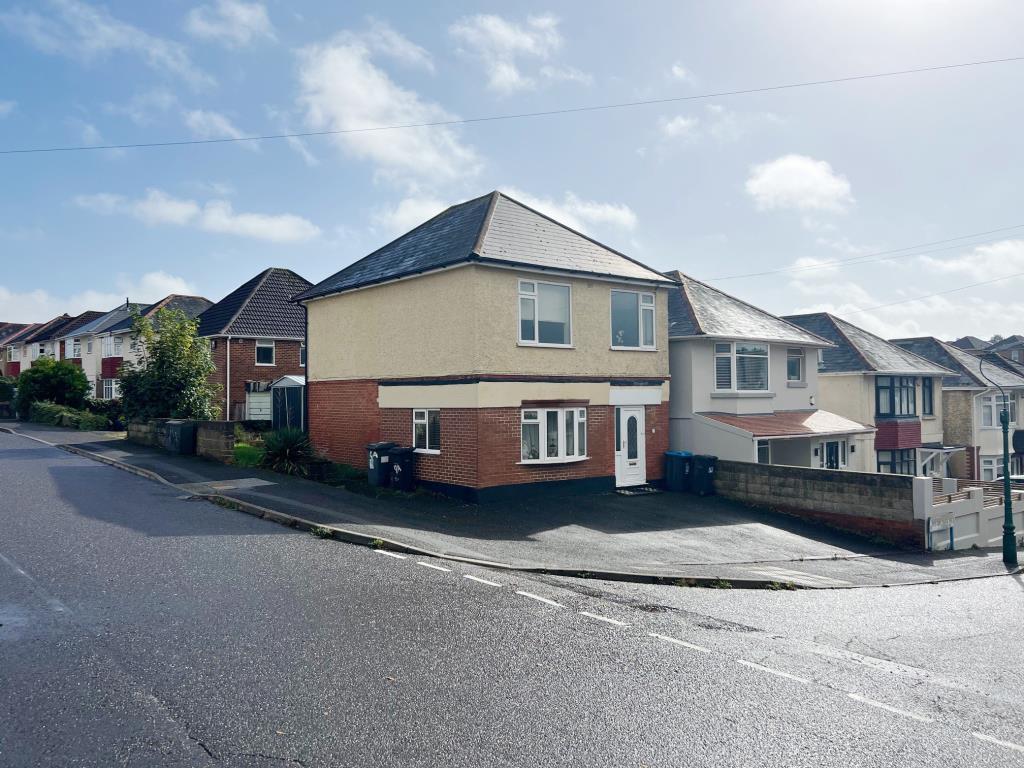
88	347
544	314
554	434
723	366
632	320
991	405
118	342
302	355
927	396
795	364
895	396
741	366
12	354
265	352
76	348
426	430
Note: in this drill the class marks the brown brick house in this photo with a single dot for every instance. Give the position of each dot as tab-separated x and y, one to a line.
256	336
512	352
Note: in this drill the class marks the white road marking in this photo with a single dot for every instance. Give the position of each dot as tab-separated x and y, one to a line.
771	671
1000	742
435	567
616	622
799	577
887	708
481	581
539	598
683	643
390	554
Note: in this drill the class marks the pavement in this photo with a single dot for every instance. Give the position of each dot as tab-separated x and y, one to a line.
673	537
139	628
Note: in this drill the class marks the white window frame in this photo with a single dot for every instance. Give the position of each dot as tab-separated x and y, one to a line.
992	404
534	296
796	353
540	419
844	449
992	465
422	416
302	354
118	346
733	372
107	346
12	354
88	347
643	305
263	344
767	445
110	389
76	349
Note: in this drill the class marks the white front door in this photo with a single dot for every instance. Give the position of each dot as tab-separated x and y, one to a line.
630	446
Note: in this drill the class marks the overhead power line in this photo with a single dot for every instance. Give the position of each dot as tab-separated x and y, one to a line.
869	258
512	116
933	295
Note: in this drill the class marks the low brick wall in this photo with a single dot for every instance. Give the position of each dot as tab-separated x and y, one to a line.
216	440
146	433
865	503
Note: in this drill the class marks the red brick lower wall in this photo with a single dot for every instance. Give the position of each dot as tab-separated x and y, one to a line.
894	434
657	440
12	368
109	366
343	418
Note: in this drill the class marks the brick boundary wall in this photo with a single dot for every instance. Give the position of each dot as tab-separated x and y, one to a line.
869	504
343	417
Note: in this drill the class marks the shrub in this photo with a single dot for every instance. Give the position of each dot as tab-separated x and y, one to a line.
289	451
6	389
43	412
111	410
248	455
57	381
93	421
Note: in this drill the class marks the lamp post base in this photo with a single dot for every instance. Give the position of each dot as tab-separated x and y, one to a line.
1009	547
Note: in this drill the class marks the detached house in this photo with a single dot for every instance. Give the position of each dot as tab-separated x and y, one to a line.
512	352
971	406
873	381
257	335
745	386
117	343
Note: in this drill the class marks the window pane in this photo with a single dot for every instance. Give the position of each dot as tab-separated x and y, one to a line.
625	319
434	430
723	373
763	452
884	401
648	317
631	437
751	373
552	434
419	435
723	349
264	355
529	415
526	287
531	442
647	298
793	366
582	443
553	314
526	317
743	348
570	432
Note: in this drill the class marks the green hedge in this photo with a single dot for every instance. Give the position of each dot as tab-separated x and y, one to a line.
44	412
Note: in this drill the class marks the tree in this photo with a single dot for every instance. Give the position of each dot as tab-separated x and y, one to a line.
996	338
171	378
55	380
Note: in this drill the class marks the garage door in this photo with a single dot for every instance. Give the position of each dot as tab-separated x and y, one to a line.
258	406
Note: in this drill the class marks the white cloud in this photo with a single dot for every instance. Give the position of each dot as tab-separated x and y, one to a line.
502	45
982	261
206	124
39	305
6	107
681	73
157	207
578	213
230	22
91	135
680	127
80	31
799	183
384	39
408	213
142	107
342	89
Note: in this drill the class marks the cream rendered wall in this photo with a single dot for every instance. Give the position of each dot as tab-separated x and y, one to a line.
91	360
465	321
931	426
693	359
851	395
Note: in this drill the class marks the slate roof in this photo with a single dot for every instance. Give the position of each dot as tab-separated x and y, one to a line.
23	334
1010	342
9	330
858	351
260	308
493	229
791	423
44	331
108	320
697	309
74	324
192	306
964	365
969	342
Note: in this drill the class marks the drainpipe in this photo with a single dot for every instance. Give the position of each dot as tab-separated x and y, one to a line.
227	387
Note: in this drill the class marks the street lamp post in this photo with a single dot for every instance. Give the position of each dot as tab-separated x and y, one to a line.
1009	535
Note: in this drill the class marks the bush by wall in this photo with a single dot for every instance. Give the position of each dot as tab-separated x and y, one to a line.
56	381
45	412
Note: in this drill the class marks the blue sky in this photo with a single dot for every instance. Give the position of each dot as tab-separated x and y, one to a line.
714	187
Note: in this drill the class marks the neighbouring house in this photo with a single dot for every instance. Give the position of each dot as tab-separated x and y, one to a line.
971	406
10	363
257	335
84	346
48	339
745	386
870	380
1012	348
117	344
970	343
514	353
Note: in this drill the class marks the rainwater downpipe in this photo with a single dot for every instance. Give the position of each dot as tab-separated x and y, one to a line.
227	388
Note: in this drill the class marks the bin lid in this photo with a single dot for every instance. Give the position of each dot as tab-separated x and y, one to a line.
379	446
678	453
400	449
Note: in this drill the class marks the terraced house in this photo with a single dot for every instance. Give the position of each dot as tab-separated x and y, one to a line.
514	353
868	379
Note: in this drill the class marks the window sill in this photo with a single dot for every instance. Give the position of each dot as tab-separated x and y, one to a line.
427	451
545	346
571	460
633	349
796	384
738	394
266	365
933	417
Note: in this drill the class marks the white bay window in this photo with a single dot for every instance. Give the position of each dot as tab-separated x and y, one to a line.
553	434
